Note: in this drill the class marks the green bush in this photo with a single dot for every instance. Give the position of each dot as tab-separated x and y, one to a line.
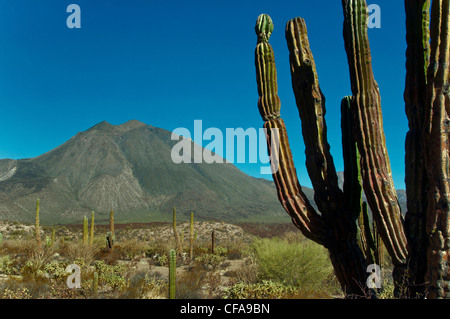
300	263
263	290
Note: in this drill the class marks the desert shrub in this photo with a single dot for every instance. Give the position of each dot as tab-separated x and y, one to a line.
7	266
266	289
189	284
131	248
113	276
299	263
209	261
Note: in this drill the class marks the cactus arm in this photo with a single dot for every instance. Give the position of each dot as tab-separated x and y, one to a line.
85	231
437	159
191	237
376	172
289	190
311	106
417	58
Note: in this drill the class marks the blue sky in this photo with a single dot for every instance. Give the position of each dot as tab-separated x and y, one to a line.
168	63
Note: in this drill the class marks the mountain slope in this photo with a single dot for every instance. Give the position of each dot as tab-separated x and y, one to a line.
128	168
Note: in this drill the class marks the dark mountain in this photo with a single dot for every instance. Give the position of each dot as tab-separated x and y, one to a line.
129	168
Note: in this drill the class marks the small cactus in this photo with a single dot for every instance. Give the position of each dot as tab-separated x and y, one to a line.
172	273
37	227
177	237
1	238
109	241
53	238
91	238
213	241
85	231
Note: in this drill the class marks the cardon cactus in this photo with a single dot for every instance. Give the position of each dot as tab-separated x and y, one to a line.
366	160
172	273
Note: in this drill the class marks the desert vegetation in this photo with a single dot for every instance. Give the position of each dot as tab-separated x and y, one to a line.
213	260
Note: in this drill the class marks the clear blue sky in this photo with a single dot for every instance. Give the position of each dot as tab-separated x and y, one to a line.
168	63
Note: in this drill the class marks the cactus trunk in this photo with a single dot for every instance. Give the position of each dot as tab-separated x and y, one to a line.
175	234
416	180
437	157
172	273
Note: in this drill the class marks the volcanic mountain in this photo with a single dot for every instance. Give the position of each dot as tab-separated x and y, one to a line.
128	168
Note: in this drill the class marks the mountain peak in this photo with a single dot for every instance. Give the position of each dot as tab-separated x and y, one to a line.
132	124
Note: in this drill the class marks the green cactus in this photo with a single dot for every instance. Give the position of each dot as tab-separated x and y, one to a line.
1	238
109	241
424	231
37	227
85	231
91	237
175	233
172	273
53	237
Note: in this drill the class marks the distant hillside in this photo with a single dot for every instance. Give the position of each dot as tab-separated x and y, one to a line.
128	168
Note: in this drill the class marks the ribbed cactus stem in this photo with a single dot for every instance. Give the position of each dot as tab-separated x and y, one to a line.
437	155
416	180
37	227
289	190
91	237
85	230
172	273
376	170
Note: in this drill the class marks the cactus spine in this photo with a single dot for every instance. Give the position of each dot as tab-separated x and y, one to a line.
91	237
172	273
191	237
85	231
37	227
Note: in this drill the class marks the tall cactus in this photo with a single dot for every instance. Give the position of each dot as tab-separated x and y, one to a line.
335	227
437	154
85	231
366	160
175	234
172	273
37	228
416	180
